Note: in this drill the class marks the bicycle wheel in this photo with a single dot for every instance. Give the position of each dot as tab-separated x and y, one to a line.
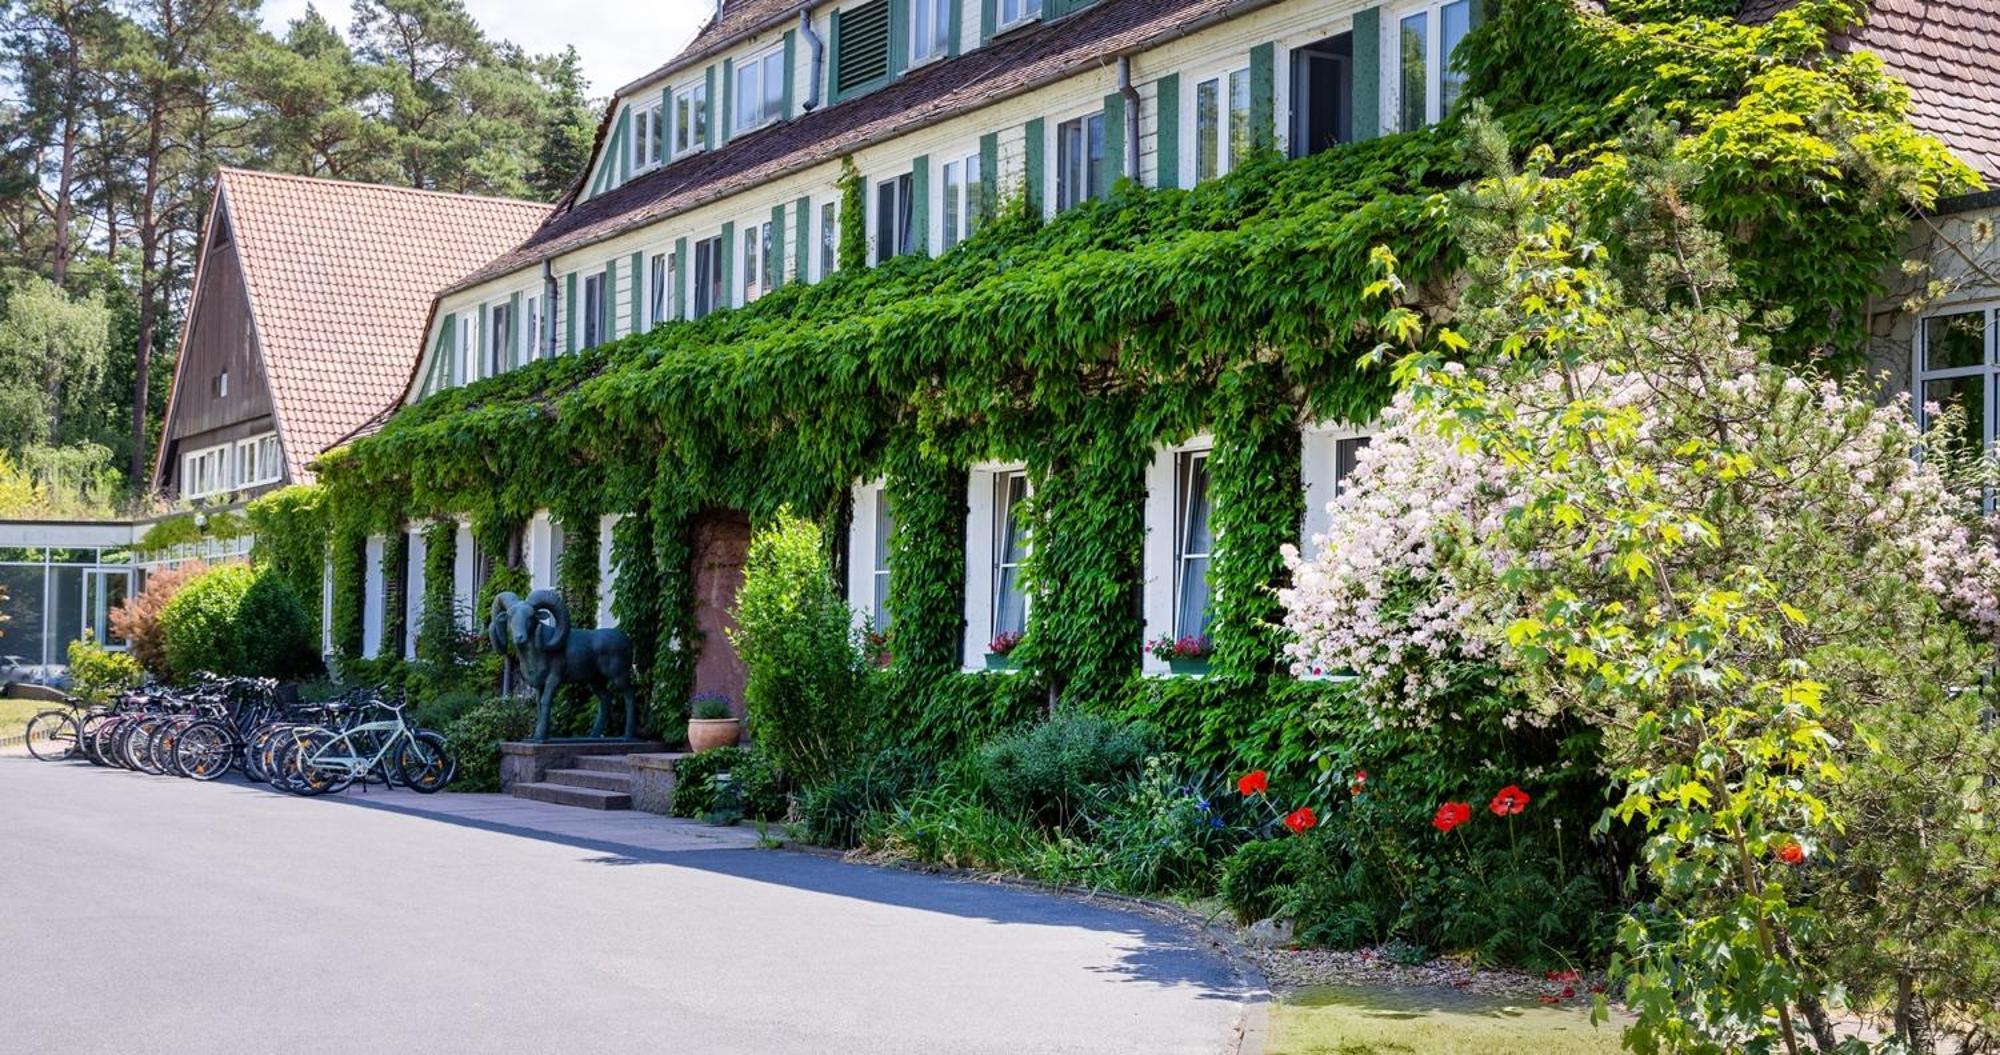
138	738
160	748
310	778
53	736
424	764
204	750
92	729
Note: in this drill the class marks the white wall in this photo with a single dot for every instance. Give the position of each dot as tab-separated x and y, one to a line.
607	570
464	572
372	598
414	576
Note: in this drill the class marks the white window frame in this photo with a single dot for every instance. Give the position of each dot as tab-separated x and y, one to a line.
939	43
753	264
257	461
770	99
1010	14
906	184
607	570
499	353
374	597
719	298
413	594
596	315
659	283
690	119
982	557
1988	370
468	346
531	334
1160	597
827	259
1320	444
956	211
1437	61
205	471
1226	156
649	136
867	578
1089	172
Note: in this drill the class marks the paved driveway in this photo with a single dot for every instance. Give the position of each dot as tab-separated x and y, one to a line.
145	914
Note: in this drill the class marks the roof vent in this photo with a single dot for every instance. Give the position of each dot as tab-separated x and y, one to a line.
861	45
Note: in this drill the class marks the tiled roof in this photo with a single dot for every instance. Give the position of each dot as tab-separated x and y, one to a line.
1012	64
1948	52
341	277
737	19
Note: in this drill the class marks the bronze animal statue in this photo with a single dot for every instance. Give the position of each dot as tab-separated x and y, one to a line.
549	653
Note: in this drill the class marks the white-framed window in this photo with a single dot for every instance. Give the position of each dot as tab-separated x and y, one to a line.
205	472
1956	370
869	532
691	118
1080	160
1426	85
257	461
660	277
761	260
468	347
500	337
960	199
829	238
649	137
709	287
760	90
1221	123
997	545
532	344
930	29
1011	13
1010	552
892	217
596	310
1328	457
1176	597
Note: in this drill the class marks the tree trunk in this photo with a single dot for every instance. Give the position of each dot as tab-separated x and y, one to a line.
149	250
1913	1017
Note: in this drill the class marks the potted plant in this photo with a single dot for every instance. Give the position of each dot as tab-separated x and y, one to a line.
711	723
1000	650
1186	654
876	644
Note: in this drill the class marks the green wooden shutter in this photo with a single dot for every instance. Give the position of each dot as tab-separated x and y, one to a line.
1167	131
666	132
569	314
989	175
988	15
440	375
801	240
775	265
791	55
677	307
1112	167
479	351
448	347
1367	88
730	287
899	38
833	85
920	203
623	138
514	357
607	304
728	101
708	98
1263	97
952	30
1032	175
638	285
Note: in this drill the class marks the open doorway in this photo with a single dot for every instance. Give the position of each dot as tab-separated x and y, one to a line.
1322	94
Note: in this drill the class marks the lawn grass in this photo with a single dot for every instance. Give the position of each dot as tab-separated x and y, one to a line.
1431	1022
14	714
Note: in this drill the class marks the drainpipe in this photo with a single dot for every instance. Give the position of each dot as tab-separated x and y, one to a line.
1131	95
549	295
818	60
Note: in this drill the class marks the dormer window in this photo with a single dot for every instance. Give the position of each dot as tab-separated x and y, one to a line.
649	139
1015	12
930	29
222	384
760	90
690	119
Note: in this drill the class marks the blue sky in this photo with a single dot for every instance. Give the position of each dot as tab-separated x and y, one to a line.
618	40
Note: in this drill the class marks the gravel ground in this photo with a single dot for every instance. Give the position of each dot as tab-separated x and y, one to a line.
1301	968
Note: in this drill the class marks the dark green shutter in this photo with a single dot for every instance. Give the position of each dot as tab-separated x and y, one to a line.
988	15
441	356
1112	166
1167	131
479	351
989	174
952	29
801	240
569	314
920	204
1367	119
666	133
623	140
775	265
728	101
730	286
677	307
514	356
899	37
791	53
607	302
708	98
638	293
833	85
1032	180
1263	97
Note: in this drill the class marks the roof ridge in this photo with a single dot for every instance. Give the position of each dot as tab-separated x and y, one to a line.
232	170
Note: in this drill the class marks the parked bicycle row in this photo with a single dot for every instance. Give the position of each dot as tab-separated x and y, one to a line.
202	731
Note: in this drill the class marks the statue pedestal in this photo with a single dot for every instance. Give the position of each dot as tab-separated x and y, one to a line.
527	762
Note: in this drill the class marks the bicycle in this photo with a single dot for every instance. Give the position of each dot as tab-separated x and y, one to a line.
318	760
56	734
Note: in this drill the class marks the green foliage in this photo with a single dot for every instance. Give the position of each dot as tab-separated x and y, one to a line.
754	788
807	692
98	675
201	625
276	631
476	734
290	526
834	811
53	345
190	528
74	482
1256	878
1052	772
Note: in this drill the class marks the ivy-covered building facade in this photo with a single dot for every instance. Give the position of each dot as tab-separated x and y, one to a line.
1051	311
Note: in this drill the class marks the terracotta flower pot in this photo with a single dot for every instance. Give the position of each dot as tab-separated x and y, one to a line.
707	734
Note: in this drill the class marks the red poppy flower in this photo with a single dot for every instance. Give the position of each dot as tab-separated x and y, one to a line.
1300	819
1253	783
1451	815
1509	801
1360	781
1792	853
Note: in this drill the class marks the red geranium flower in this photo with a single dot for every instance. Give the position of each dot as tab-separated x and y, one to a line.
1451	815
1360	781
1253	783
1509	801
1300	819
1792	853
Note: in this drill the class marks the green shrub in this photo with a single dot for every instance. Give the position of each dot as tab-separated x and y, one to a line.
277	633
97	674
1258	877
949	826
1162	831
808	688
201	623
758	791
834	811
475	737
1051	772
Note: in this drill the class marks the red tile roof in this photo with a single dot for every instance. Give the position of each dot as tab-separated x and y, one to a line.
341	277
735	22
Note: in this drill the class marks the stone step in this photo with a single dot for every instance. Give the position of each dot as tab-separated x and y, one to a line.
591	778
568	795
604	763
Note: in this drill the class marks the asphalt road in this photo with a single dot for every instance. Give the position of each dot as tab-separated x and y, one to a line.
145	914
